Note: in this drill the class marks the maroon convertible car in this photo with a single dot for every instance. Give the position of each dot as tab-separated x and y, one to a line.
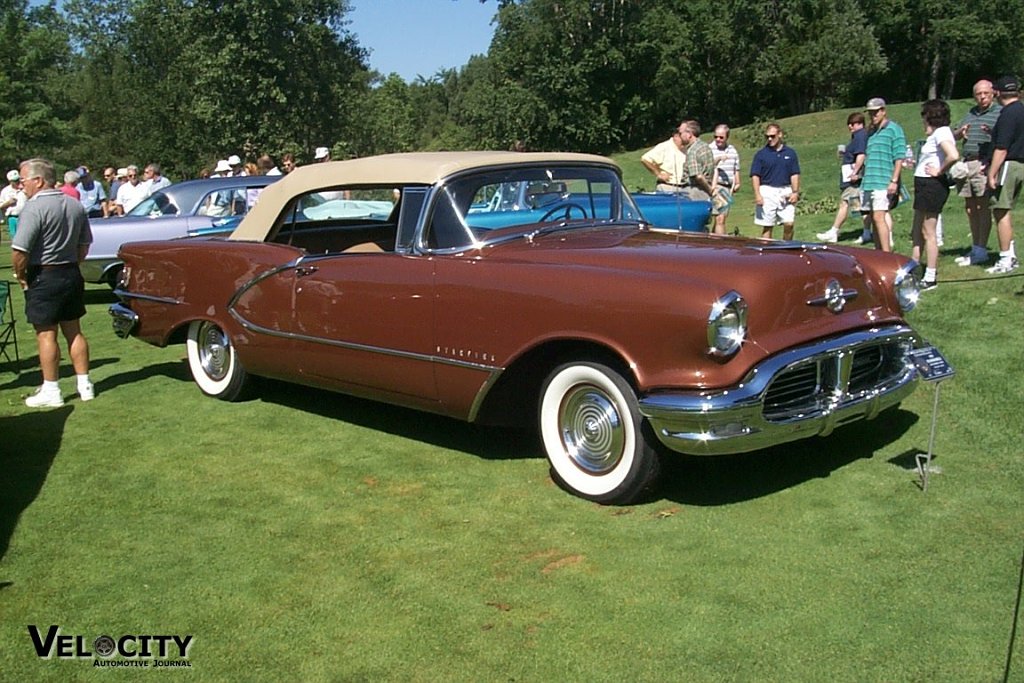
503	287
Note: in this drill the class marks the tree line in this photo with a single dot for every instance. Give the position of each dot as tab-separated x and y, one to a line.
185	82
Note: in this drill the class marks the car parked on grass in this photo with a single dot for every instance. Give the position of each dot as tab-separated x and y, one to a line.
403	279
191	207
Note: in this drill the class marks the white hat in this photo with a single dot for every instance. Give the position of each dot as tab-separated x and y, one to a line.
122	173
223	166
233	160
321	152
13	175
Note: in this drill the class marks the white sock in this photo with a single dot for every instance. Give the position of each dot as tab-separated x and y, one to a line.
929	274
83	380
51	387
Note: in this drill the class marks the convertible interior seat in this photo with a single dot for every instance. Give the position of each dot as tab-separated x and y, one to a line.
364	248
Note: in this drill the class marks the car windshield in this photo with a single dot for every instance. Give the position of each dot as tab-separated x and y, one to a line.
157	204
480	208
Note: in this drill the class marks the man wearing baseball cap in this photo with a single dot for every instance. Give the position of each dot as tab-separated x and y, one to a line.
12	200
1006	172
882	165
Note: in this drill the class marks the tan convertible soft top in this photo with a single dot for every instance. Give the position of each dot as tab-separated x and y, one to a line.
418	168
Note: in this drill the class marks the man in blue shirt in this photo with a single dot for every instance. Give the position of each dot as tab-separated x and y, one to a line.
851	157
775	177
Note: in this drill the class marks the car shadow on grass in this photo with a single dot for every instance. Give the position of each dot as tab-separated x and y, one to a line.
725	479
489	443
31	441
177	370
690	480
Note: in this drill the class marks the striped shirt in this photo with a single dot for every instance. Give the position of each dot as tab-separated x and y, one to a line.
978	144
727	162
885	146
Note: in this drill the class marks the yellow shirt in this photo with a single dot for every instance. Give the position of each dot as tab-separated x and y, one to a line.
669	158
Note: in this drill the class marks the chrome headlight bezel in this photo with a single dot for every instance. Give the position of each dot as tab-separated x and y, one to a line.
727	325
906	286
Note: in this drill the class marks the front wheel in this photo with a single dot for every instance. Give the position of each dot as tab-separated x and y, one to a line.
213	362
591	427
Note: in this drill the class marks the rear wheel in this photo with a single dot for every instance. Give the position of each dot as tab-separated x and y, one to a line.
593	434
213	362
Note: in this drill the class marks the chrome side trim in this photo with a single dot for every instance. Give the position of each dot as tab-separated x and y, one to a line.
792	245
125	294
354	346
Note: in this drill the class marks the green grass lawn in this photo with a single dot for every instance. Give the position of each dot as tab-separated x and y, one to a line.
304	535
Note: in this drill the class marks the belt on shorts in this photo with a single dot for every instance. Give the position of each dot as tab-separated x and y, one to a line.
971	157
662	182
57	266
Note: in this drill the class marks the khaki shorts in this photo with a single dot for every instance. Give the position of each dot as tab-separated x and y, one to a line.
1005	196
721	202
975	184
851	196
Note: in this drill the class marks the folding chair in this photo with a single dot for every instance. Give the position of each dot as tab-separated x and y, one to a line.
8	333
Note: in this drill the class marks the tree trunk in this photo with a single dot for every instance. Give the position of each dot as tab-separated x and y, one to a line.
933	76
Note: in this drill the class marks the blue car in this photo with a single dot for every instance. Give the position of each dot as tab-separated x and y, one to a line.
511	199
186	209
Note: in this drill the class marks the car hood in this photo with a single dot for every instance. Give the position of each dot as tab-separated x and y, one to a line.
784	283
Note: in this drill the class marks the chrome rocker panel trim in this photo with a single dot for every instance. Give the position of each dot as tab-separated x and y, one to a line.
723	421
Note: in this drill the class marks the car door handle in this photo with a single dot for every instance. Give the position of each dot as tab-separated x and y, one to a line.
303	271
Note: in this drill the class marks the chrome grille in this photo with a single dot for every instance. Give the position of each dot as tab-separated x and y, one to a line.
830	379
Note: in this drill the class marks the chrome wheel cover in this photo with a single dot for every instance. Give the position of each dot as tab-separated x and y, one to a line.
214	351
591	429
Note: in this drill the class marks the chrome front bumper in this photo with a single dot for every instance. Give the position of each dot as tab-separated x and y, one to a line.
123	319
803	392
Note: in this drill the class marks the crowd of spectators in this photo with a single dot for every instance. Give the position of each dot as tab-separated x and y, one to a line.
988	172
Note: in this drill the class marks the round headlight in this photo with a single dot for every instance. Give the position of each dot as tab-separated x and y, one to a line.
727	325
907	290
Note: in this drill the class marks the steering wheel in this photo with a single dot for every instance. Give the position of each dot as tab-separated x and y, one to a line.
565	209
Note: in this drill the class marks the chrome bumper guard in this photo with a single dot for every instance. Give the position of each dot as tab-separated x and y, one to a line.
803	392
124	320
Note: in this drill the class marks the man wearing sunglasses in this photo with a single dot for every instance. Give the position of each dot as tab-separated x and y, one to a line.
775	178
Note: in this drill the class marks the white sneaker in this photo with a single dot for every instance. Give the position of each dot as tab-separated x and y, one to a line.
86	392
1004	265
45	399
830	235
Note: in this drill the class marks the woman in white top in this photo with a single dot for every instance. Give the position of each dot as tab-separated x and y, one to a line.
931	184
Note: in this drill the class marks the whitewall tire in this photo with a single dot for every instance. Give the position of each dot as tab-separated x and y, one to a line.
213	362
592	431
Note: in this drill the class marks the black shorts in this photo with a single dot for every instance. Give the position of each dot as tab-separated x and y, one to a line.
55	294
930	194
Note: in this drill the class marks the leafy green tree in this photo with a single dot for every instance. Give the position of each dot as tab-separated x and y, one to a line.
939	48
34	114
197	81
814	52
